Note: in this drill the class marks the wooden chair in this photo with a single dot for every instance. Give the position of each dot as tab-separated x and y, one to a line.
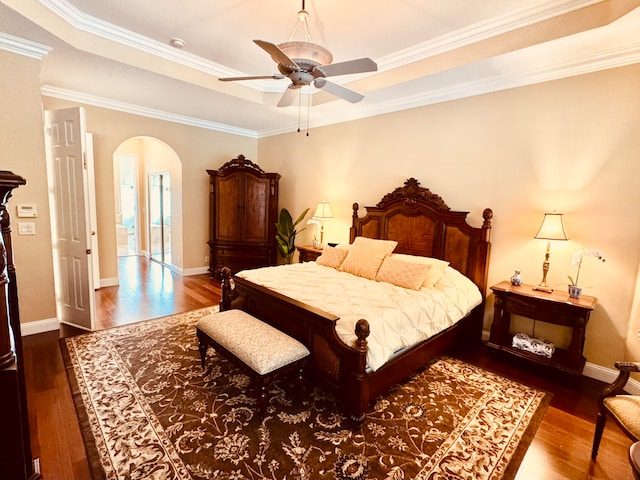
623	408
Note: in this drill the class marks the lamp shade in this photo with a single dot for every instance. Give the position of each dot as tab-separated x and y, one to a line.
323	211
552	227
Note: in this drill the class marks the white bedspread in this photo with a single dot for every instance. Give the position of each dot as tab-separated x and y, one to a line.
398	317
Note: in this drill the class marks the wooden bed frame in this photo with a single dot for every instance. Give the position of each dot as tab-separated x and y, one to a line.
422	224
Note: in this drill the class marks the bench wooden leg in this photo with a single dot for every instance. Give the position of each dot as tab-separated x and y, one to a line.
202	348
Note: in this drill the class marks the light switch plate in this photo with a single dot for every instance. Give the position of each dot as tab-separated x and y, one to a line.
26	228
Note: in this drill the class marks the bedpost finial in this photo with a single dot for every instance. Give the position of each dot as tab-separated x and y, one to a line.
362	331
487	214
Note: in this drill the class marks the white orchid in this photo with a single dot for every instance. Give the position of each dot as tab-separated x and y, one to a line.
577	257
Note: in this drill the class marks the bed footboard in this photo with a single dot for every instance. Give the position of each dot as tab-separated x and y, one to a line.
340	367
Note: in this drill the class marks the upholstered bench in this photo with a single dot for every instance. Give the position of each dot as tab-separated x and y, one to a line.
260	350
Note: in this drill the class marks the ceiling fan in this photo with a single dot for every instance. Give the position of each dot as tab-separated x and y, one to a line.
307	63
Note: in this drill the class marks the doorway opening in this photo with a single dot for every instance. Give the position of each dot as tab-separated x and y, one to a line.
148	183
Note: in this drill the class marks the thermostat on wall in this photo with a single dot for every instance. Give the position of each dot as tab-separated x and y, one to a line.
29	211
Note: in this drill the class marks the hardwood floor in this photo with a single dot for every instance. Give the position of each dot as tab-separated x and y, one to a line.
560	449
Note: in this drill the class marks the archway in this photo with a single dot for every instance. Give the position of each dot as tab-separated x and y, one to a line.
148	171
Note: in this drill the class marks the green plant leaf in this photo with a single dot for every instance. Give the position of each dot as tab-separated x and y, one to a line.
301	217
286	233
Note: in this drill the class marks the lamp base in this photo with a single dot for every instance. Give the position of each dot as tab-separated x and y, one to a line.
543	288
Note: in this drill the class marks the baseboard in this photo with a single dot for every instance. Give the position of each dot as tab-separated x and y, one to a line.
608	375
39	326
195	271
597	372
109	282
175	269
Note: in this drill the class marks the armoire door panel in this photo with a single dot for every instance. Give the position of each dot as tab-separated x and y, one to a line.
228	208
256	209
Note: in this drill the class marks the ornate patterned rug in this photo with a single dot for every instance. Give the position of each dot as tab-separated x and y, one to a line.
148	410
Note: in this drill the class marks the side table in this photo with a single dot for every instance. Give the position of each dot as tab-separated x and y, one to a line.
308	253
556	308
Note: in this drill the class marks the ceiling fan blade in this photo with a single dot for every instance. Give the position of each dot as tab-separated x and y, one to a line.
277	55
352	66
257	77
288	96
338	90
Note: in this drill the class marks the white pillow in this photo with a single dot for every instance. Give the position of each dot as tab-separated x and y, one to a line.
366	255
403	274
436	272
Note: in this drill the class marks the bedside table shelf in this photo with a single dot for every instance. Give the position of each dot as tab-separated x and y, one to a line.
559	359
556	308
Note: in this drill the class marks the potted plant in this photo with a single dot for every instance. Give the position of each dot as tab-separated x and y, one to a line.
286	233
576	259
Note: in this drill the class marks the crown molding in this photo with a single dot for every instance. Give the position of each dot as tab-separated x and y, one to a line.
538	12
88	99
598	61
23	47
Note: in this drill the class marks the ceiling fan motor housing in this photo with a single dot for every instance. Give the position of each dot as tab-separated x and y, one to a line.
301	78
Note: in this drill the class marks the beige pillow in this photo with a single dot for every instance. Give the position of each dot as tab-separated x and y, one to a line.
332	257
366	255
403	274
437	271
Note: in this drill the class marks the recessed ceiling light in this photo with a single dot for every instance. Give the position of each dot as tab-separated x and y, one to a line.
177	42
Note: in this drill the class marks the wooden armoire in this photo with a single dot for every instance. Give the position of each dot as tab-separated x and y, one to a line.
243	213
16	462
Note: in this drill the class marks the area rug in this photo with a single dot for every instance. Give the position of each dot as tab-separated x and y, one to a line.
148	410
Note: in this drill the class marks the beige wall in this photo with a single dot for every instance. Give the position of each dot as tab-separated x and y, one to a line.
22	152
569	145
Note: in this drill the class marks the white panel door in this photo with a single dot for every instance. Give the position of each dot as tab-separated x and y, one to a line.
71	230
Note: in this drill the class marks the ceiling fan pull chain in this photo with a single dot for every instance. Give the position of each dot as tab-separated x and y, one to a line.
308	107
299	107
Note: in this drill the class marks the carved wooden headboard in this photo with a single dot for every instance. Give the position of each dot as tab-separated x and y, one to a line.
422	224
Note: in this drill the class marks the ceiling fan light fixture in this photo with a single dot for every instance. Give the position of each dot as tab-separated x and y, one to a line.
307	51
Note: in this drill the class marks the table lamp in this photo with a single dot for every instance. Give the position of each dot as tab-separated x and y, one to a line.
552	228
323	212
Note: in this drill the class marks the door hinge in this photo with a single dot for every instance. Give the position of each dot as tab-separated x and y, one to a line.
88	251
84	160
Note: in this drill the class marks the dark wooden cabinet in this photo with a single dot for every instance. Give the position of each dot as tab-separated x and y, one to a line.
243	213
16	461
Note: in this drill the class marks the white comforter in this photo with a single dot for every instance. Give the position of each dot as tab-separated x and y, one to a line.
398	317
